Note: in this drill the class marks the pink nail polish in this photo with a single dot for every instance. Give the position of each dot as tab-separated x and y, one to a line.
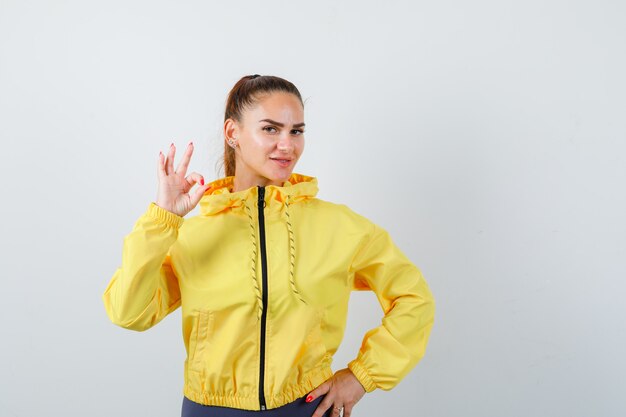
202	181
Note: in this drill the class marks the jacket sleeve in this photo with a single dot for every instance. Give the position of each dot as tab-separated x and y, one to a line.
144	289
389	351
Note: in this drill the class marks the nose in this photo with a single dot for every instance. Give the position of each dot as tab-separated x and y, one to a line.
285	144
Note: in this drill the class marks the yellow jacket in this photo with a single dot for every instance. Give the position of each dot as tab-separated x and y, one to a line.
264	291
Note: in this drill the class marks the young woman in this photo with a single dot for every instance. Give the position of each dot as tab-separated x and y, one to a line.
264	272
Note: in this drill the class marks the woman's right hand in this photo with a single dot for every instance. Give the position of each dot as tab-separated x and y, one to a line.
173	191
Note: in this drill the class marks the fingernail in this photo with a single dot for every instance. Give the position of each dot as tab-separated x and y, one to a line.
309	398
172	144
191	143
202	181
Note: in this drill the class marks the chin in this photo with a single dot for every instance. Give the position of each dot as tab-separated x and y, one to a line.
281	176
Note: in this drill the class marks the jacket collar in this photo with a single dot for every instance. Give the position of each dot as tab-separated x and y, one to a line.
219	196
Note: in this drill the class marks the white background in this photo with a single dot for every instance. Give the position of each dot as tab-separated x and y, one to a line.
488	137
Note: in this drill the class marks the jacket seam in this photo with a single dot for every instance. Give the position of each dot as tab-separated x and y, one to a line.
370	241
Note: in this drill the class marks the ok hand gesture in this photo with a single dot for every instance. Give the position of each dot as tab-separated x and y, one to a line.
173	191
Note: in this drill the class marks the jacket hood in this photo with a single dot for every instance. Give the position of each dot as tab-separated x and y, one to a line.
219	197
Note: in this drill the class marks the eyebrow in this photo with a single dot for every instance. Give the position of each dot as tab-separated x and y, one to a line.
280	124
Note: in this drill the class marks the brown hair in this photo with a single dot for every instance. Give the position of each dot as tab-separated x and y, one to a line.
245	94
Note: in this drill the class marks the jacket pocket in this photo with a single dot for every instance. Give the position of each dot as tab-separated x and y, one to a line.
314	342
200	340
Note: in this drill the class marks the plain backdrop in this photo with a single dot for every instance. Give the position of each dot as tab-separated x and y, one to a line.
488	137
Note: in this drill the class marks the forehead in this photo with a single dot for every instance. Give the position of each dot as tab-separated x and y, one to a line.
277	105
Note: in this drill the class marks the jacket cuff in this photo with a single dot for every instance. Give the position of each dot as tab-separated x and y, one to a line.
362	375
165	216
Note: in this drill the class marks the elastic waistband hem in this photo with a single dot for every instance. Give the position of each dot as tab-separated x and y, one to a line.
290	394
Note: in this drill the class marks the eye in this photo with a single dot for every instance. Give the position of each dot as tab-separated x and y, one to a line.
298	130
268	127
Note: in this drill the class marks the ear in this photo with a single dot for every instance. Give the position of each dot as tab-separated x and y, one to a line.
231	129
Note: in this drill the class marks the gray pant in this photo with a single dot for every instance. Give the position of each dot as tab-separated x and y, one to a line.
297	408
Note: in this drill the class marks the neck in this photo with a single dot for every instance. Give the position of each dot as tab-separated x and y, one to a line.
242	182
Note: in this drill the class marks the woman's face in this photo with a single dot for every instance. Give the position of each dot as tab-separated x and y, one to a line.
269	140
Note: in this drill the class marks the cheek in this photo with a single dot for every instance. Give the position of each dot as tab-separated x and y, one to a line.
260	149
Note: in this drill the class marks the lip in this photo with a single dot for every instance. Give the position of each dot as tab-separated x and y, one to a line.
283	162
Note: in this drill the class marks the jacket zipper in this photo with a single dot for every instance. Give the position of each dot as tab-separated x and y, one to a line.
261	206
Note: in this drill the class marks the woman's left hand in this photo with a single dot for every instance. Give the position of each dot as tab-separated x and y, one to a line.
343	389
